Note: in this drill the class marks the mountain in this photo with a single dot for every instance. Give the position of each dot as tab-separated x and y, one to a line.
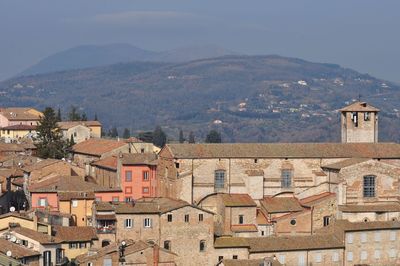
247	98
86	56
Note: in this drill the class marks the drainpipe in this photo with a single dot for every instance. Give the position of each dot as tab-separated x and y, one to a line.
192	197
229	182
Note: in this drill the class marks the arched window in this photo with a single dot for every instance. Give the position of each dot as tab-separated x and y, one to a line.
369	186
219	179
286	178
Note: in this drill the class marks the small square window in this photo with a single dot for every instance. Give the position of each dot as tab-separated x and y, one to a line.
349	256
167	245
392	235
128	190
363	255
169	217
335	257
201	217
177	165
235	257
115	199
349	238
202	245
145	190
377	254
186	218
220	258
74	203
377	236
128	223
363	237
128	199
147	222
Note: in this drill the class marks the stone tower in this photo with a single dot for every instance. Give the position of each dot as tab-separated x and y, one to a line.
359	122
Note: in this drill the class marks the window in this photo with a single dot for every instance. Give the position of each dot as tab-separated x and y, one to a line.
147	222
201	217
128	176
392	235
82	245
293	222
255	160
335	257
235	257
169	217
107	262
349	238
349	256
392	253
219	179
202	245
177	165
47	258
141	150
354	118
281	258
220	258
115	199
75	134
367	116
318	257
145	190
363	237
128	199
377	254
241	219
301	260
98	199
42	202
262	233
145	175
73	245
25	243
167	245
90	264
286	181
369	186
128	223
128	190
377	236
326	220
363	255
74	203
186	218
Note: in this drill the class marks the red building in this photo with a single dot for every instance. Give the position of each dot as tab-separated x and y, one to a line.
138	175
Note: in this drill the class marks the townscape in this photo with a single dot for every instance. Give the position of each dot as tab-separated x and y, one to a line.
115	201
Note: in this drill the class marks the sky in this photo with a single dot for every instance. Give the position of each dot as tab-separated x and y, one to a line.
359	34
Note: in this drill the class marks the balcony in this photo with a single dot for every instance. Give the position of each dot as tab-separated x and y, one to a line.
106	230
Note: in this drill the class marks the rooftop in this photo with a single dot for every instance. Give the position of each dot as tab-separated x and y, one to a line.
20	113
42	238
151	205
310	201
20	127
345	163
64	125
250	262
97	147
17	251
139	159
359	107
75	233
384	207
237	200
285	150
281	204
108	163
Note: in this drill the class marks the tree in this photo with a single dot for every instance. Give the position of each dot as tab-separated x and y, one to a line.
84	117
95	117
126	134
114	132
50	143
71	141
74	114
181	137
191	137
159	137
59	119
146	136
213	137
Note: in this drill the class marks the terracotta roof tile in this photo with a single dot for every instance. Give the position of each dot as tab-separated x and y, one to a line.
75	233
388	207
250	262
41	164
17	251
70	124
108	163
285	150
20	127
345	163
231	242
97	147
42	238
359	107
237	200
281	204
244	228
310	201
19	113
139	159
151	205
261	218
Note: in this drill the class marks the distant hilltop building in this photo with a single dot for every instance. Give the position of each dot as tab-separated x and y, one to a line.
359	123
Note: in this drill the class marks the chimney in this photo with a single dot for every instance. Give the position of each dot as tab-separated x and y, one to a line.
156	255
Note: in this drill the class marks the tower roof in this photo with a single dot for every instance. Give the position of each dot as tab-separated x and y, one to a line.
359	107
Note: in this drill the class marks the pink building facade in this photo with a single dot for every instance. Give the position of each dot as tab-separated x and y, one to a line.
138	181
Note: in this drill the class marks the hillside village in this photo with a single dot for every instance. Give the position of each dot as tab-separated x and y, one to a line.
128	202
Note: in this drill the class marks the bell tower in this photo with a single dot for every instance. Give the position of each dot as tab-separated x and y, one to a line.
359	122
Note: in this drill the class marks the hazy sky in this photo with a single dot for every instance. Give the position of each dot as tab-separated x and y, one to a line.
361	34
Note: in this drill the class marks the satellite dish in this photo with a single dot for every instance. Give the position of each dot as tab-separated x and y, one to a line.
8	253
12	209
13	239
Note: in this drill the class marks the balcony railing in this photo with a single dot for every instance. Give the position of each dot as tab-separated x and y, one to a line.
105	230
